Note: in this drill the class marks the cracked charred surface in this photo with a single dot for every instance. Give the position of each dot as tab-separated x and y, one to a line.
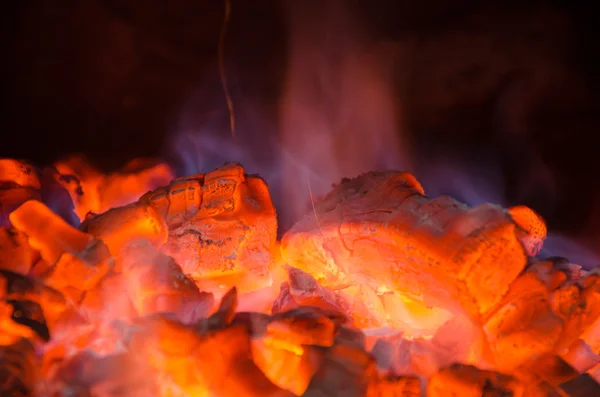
380	230
219	224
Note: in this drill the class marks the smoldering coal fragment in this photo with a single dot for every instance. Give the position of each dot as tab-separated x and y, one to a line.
18	369
30	314
379	230
220	225
582	386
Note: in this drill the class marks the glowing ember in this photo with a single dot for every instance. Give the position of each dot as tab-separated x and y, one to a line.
380	291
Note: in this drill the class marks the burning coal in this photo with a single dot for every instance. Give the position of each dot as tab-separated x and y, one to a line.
142	283
185	291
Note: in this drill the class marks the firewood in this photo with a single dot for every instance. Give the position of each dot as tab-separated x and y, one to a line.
47	232
525	324
76	261
577	309
18	172
219	224
121	226
363	307
15	252
39	307
217	362
20	181
374	257
303	326
155	283
415	357
380	230
288	367
97	192
233	230
11	197
542	313
345	371
549	273
72	275
290	349
590	293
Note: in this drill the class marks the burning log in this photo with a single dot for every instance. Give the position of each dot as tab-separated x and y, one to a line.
92	191
345	371
216	225
305	351
524	325
11	197
155	283
29	308
289	350
362	306
73	275
233	231
544	311
15	252
20	182
19	173
379	233
121	226
431	281
217	362
380	230
75	260
47	232
578	305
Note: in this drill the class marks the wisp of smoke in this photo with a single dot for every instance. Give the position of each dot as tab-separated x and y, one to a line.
339	114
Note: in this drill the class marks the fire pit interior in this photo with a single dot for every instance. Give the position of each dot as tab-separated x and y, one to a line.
155	280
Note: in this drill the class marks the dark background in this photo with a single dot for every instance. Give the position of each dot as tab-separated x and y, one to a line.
508	82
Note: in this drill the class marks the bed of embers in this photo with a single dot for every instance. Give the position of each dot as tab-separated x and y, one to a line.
140	284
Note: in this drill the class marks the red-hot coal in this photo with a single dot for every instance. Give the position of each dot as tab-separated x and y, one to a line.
179	287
